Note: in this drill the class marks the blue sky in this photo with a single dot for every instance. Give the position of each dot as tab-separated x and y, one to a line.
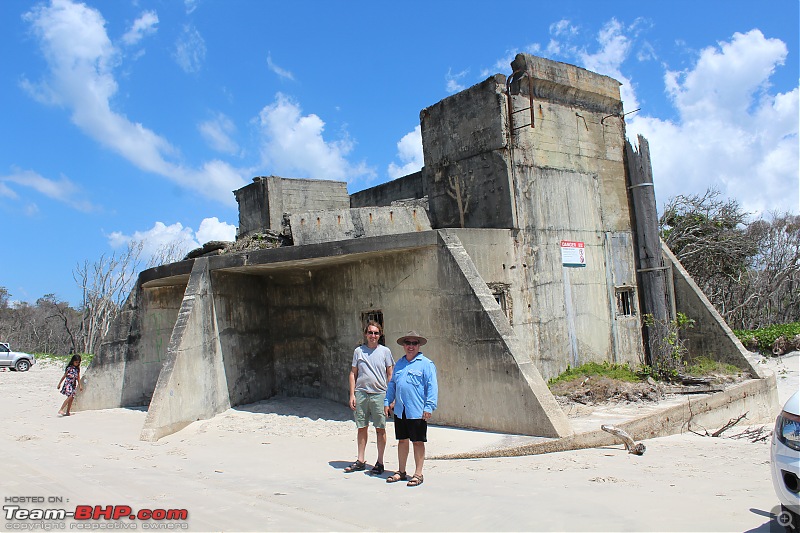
135	119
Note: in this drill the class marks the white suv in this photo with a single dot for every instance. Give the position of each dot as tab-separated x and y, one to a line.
785	463
15	360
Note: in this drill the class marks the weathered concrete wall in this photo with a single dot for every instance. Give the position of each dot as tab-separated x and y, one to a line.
263	202
158	312
315	227
560	177
411	186
242	307
710	336
135	347
191	385
572	311
253	207
286	321
464	139
569	181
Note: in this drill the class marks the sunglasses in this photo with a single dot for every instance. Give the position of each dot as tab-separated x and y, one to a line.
410	343
373	333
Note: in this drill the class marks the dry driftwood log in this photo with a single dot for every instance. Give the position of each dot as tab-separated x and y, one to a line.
632	447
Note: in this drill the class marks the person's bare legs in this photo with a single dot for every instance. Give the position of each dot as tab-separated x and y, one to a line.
66	406
380	436
419	458
402	455
362	442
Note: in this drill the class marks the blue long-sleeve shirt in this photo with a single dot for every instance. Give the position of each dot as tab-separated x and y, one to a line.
413	387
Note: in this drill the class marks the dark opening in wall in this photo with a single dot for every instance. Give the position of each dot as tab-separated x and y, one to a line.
374	315
625	301
500	291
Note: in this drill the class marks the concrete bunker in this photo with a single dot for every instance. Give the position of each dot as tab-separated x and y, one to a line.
513	250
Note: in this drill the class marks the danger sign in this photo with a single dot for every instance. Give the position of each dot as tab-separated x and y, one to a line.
573	254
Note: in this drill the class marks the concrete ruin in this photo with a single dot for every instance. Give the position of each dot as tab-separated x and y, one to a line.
513	250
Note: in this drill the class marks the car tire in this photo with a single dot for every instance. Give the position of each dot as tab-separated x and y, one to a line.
22	365
791	525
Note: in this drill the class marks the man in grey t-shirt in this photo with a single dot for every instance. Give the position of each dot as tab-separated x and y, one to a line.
369	375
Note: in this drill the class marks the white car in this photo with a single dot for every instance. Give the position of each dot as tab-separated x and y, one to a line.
16	360
785	463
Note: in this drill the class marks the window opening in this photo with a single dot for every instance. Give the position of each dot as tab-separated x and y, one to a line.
625	302
374	315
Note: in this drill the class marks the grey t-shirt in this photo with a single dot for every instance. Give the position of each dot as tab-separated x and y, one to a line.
372	365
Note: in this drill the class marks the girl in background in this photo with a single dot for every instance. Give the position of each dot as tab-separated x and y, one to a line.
71	380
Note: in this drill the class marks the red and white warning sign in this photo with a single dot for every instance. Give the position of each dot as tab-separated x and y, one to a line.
573	254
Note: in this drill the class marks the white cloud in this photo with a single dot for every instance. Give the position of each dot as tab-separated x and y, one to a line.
172	242
217	133
732	133
190	6
6	192
454	83
283	73
217	180
81	59
63	190
503	65
156	238
211	229
293	145
143	26
615	47
409	151
190	50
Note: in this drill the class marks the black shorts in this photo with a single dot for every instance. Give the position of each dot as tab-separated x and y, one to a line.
415	429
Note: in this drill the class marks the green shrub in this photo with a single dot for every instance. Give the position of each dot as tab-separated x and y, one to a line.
606	369
766	336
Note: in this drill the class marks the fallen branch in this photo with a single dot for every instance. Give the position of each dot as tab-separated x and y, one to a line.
729	425
756	434
630	445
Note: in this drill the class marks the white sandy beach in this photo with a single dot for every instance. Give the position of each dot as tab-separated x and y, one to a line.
277	465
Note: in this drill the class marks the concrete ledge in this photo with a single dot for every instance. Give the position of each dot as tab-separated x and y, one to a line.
757	397
327	226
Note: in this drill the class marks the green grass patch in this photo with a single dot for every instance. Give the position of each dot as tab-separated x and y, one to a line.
605	369
766	336
704	366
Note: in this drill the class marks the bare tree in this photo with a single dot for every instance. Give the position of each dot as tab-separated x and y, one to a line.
105	285
749	270
168	253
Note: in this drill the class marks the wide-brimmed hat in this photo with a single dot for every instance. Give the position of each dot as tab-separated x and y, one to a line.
412	335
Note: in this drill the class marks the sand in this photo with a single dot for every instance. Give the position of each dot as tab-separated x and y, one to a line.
277	465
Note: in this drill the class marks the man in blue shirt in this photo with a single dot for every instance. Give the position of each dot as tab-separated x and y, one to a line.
413	393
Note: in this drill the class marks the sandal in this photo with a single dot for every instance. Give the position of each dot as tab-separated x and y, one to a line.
377	470
397	476
415	481
356	467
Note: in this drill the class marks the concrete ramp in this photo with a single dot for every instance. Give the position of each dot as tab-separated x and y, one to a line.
191	385
490	383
